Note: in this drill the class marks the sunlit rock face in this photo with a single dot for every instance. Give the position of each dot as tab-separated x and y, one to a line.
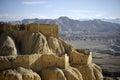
7	45
34	43
91	71
56	46
53	74
19	74
61	74
42	55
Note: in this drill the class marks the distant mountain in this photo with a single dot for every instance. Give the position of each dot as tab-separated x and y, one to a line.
67	24
113	20
116	20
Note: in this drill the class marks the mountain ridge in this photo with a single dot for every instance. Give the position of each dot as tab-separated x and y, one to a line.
68	24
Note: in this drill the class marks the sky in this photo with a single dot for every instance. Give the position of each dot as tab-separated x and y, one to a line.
51	9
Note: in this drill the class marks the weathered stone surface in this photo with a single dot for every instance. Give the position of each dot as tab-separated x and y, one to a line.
55	73
72	74
59	46
19	74
97	72
6	62
90	72
56	46
52	74
7	45
34	43
52	67
68	48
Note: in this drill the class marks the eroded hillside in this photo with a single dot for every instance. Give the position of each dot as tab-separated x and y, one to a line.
35	52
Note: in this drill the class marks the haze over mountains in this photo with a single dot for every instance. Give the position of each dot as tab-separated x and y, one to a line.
67	24
112	20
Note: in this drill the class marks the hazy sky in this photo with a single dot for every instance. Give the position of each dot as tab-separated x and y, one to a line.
76	9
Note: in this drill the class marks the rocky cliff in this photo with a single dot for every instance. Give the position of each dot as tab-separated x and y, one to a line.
78	66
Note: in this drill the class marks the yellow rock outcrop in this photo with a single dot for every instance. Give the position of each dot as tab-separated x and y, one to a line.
7	45
19	74
90	71
34	42
52	74
39	48
72	74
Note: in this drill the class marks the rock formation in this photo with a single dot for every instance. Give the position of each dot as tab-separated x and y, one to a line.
19	74
7	45
34	43
61	74
54	74
72	74
56	46
85	70
39	48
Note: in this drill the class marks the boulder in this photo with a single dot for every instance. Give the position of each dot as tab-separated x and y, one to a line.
72	74
59	46
90	71
7	45
68	48
56	46
34	43
52	74
19	74
6	62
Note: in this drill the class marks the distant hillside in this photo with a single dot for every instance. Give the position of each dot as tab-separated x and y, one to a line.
67	24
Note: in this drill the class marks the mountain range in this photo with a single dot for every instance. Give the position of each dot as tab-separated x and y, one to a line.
67	24
116	20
